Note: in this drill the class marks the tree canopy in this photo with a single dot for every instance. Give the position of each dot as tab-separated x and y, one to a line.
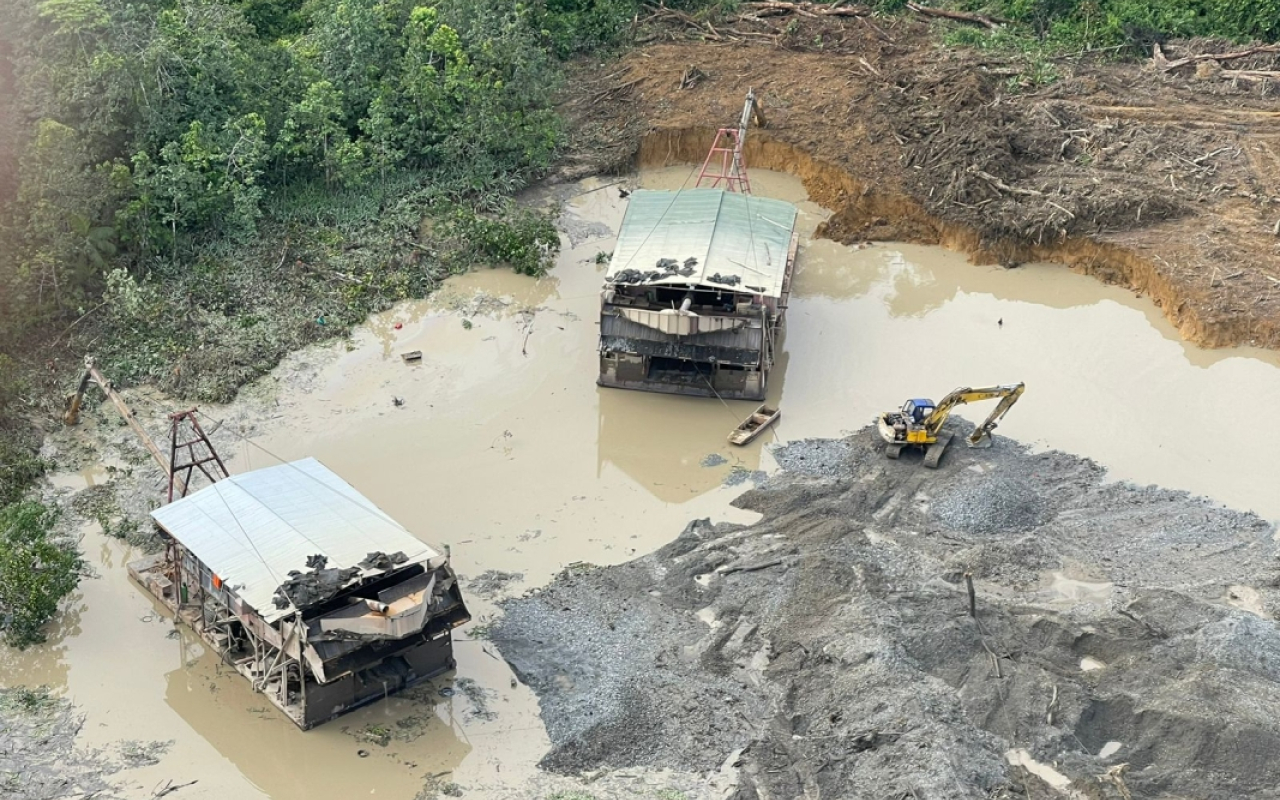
136	125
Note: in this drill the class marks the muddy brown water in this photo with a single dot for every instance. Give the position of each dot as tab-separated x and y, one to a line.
505	450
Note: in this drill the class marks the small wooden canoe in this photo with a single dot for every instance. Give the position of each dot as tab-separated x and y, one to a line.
754	425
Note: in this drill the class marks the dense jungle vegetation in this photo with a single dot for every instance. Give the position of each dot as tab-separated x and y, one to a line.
193	188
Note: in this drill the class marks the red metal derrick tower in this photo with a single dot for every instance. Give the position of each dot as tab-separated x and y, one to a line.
725	165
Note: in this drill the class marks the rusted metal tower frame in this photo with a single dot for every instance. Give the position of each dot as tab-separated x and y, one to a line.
194	460
728	144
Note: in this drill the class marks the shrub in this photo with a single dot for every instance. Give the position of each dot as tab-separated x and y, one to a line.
35	571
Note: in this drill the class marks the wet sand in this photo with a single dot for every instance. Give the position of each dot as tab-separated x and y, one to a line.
505	450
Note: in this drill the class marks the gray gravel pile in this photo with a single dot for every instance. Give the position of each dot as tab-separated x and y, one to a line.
580	230
622	712
491	583
816	458
740	475
830	645
1242	643
991	502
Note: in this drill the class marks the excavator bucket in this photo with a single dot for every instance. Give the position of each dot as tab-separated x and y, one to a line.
981	444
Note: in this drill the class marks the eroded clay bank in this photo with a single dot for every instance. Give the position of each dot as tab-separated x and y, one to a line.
861	211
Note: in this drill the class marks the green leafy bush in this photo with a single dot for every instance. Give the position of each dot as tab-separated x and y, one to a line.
1134	25
577	26
526	240
35	572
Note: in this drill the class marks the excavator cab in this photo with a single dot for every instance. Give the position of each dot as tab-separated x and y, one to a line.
918	410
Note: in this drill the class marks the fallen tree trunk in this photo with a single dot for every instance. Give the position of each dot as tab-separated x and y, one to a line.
778	8
1257	75
1004	187
993	23
661	12
1158	57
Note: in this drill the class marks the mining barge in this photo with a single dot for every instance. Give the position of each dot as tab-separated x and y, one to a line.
694	298
697	288
314	594
323	602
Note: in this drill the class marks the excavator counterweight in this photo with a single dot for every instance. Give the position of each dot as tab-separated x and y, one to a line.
919	423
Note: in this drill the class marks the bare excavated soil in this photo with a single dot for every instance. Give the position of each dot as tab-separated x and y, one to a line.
1120	646
1166	181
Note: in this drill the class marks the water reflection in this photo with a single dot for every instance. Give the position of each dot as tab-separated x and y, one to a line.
48	663
388	748
676	447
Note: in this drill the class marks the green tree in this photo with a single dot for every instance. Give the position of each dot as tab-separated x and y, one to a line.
203	62
435	75
508	126
273	19
575	26
352	42
35	572
1258	19
203	179
474	94
72	65
79	19
314	138
382	134
62	204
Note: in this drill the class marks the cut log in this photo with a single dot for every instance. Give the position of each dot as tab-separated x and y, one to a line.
993	23
1256	75
778	7
1004	187
1159	59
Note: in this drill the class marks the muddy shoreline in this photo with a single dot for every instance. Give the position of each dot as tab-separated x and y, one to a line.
828	648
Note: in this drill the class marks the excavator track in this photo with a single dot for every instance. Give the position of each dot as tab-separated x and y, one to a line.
893	450
934	454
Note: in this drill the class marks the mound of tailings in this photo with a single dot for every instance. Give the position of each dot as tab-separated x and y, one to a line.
829	650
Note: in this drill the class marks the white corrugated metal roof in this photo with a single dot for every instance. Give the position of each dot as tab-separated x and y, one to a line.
730	235
252	529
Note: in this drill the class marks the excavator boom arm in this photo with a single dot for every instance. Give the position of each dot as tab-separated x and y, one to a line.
989	424
750	110
963	396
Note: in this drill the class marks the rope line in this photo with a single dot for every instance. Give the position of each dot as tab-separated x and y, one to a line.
249	540
721	399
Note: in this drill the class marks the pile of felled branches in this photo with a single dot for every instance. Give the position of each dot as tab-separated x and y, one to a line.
751	16
1210	64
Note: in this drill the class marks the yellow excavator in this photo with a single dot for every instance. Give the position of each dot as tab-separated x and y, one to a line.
919	422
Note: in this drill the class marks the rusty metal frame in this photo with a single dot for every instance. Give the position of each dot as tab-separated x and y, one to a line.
732	171
183	424
728	145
